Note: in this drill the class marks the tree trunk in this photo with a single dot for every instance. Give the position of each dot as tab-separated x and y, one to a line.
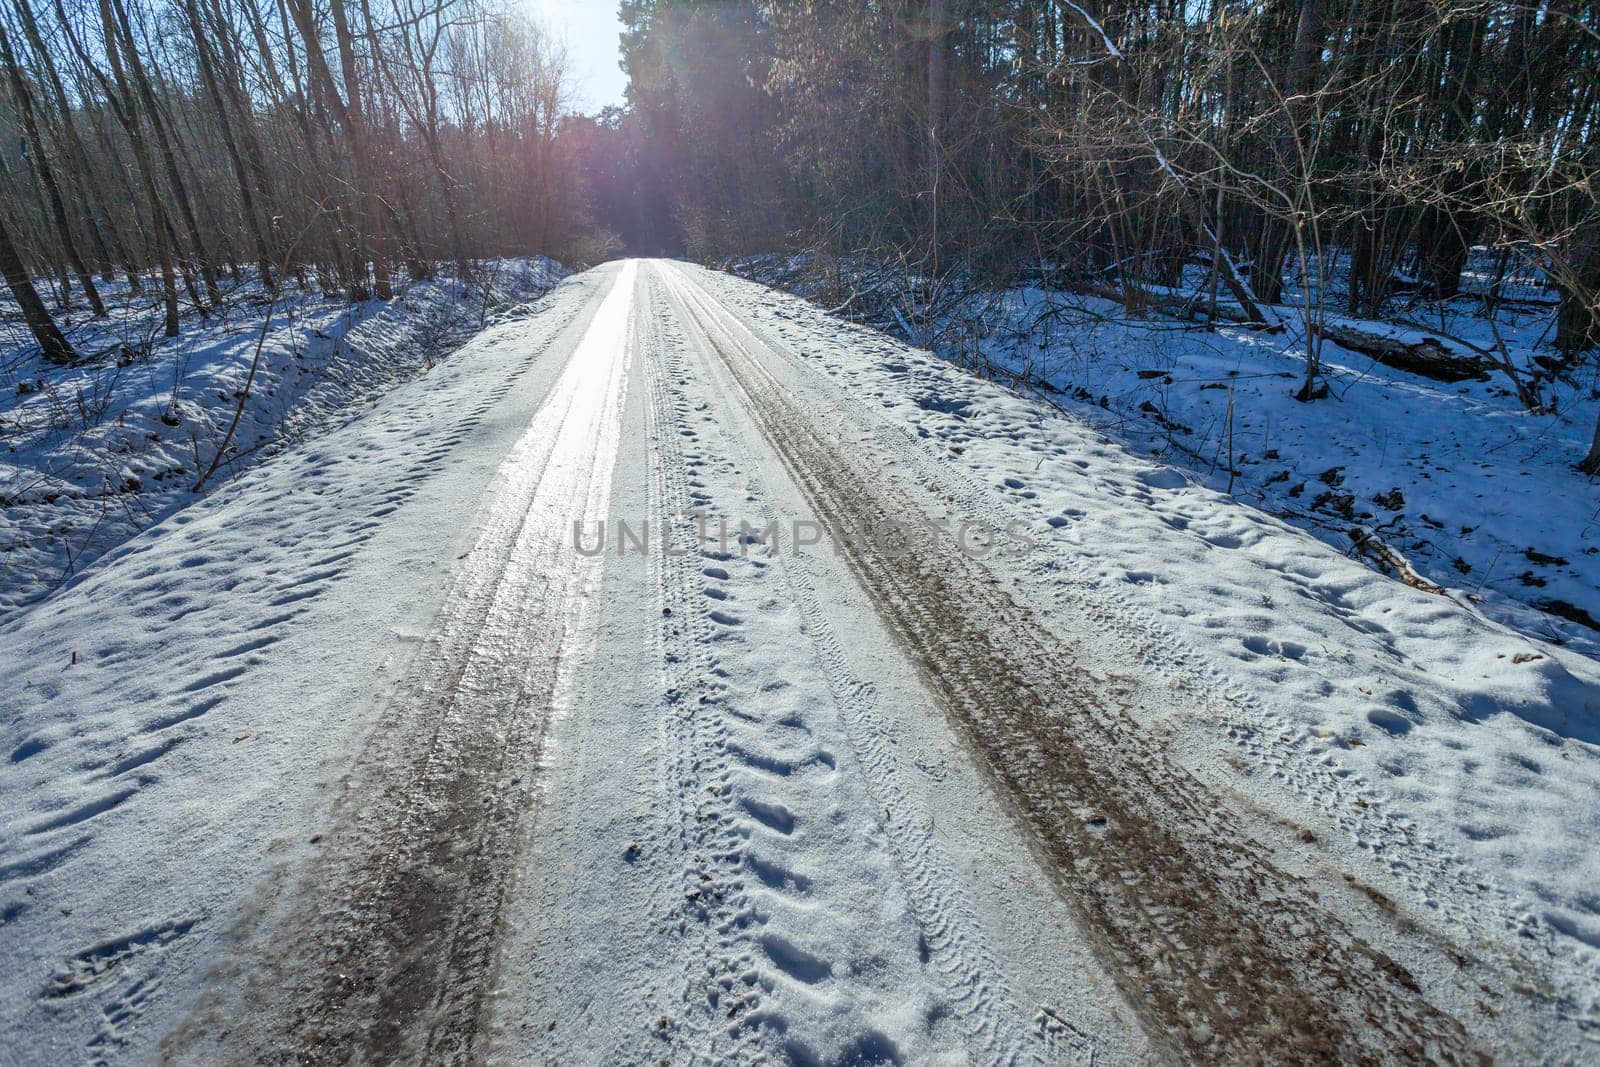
1578	320
77	161
348	115
291	97
1445	231
1277	232
1591	462
45	175
231	78
141	84
127	113
937	30
56	347
360	147
1442	246
247	200
447	188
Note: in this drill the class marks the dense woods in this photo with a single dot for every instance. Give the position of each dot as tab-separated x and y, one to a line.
176	144
1327	156
1123	140
1306	156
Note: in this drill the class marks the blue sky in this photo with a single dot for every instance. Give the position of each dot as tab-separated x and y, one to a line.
590	29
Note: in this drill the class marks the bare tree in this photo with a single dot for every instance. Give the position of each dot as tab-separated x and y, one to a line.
44	173
56	347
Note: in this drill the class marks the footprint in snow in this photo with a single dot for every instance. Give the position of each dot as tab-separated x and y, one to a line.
1266	646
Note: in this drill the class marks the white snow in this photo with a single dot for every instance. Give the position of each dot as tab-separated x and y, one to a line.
752	833
773	850
175	724
96	452
1476	493
1441	747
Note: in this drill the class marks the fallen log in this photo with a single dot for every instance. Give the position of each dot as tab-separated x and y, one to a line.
1177	306
1389	561
1428	357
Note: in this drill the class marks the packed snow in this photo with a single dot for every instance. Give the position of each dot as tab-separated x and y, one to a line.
95	452
1454	749
1458	480
175	722
750	831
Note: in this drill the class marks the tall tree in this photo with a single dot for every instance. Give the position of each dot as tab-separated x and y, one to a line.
56	347
208	75
44	173
126	109
120	30
65	131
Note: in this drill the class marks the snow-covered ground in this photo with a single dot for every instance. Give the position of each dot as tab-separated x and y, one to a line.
95	452
176	722
364	753
1489	736
1459	480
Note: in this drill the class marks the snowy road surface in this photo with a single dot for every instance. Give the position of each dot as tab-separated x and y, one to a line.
679	675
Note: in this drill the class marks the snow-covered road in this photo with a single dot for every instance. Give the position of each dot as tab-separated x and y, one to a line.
679	675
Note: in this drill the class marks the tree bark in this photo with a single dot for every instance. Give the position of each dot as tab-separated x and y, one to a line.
45	175
247	200
56	347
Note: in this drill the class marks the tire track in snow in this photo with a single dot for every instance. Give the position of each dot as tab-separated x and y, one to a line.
798	938
771	972
995	1027
401	920
1449	899
705	917
107	749
1224	952
123	767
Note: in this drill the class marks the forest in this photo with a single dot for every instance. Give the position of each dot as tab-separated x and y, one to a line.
180	146
892	532
1307	157
1354	153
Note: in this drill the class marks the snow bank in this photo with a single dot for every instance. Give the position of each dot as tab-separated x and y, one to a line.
176	725
1459	481
1422	736
94	453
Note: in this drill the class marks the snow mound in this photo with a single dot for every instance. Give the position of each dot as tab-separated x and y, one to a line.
1438	744
96	452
